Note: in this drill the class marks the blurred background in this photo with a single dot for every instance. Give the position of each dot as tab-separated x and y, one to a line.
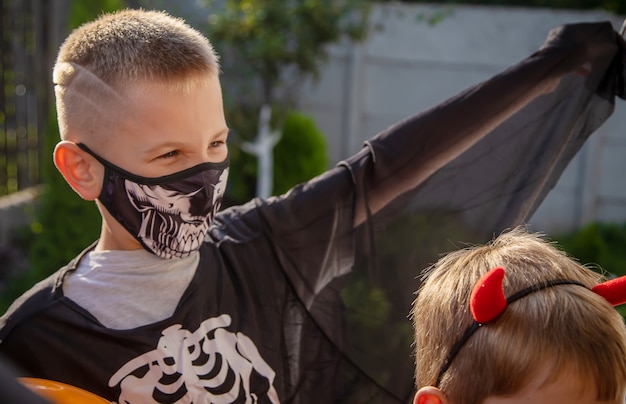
312	79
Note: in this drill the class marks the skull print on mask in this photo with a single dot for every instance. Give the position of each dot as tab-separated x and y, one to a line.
168	215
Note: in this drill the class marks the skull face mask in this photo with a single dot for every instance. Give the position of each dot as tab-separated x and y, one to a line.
168	215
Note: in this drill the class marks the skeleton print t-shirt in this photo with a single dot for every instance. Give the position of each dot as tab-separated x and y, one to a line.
238	333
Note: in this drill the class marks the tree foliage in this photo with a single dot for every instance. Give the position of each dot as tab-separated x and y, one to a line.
266	47
267	37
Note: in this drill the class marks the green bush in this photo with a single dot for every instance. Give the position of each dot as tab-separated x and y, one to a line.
598	244
300	154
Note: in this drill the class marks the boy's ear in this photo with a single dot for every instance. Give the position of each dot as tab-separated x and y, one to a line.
430	395
81	171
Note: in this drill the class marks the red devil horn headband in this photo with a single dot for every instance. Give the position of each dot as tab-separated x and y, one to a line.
487	302
614	291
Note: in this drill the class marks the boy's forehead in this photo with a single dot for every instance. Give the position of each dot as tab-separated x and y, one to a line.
97	109
163	114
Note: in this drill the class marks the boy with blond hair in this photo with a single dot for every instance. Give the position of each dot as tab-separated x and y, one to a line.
176	302
517	320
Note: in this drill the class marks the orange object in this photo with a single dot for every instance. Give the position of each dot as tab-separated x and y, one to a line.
61	393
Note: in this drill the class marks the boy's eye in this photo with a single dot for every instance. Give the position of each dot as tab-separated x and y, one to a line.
167	155
217	143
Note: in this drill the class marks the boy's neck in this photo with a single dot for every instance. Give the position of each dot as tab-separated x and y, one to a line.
113	236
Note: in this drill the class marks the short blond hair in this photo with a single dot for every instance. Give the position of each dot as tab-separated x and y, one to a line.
102	60
567	327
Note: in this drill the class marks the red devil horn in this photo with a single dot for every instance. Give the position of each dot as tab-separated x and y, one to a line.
614	291
487	300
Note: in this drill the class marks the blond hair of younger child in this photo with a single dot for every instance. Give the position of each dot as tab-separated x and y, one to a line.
547	336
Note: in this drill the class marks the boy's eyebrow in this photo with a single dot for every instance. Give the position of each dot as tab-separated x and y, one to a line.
220	133
223	132
175	144
161	146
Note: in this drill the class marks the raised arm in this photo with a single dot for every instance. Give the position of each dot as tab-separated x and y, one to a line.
402	157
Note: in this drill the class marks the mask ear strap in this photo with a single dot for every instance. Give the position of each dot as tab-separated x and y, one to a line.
614	291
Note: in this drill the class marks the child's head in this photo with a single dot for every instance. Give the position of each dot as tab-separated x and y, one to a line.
102	62
143	129
559	333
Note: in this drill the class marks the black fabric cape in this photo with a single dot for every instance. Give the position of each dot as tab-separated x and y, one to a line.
320	280
480	163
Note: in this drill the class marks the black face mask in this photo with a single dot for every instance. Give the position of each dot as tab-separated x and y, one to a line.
168	215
